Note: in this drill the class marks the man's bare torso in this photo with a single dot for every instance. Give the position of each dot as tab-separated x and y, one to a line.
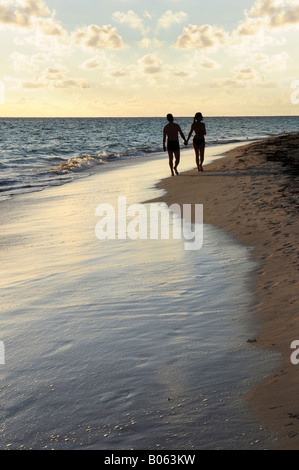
172	131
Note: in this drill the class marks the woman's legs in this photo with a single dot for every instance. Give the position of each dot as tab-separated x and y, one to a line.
202	154
199	153
196	149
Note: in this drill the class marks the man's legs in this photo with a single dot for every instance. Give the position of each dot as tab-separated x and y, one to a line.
177	161
170	154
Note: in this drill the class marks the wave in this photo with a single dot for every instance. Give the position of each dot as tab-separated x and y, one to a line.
87	162
233	141
79	163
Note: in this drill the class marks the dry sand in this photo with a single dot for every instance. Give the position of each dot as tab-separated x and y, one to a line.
253	194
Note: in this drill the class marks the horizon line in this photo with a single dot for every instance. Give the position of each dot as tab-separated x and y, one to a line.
147	117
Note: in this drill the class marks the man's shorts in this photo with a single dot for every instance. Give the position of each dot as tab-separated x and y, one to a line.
173	145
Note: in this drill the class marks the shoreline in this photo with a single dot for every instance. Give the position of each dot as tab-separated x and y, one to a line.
252	194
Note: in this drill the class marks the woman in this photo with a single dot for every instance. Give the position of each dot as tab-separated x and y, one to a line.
199	139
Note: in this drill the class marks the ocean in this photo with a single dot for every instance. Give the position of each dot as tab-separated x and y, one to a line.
40	153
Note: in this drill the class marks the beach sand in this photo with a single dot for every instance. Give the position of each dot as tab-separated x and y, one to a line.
253	194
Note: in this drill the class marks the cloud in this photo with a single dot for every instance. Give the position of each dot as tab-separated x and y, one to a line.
93	63
204	37
118	73
149	43
68	82
276	62
207	63
269	14
147	15
131	18
245	73
98	37
169	18
265	7
49	33
27	84
54	78
278	12
50	27
34	7
21	13
244	76
22	62
227	83
249	27
150	64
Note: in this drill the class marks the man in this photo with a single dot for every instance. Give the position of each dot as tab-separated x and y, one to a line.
172	131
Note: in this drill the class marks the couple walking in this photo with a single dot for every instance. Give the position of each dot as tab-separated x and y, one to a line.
172	131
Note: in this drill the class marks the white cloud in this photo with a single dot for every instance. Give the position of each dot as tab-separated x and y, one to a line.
270	14
131	18
244	76
54	78
98	37
150	64
34	7
278	12
169	18
22	62
207	63
21	13
265	7
39	57
149	43
93	63
245	73
147	15
276	62
205	36
50	27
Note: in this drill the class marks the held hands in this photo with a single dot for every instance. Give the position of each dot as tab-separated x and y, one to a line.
186	142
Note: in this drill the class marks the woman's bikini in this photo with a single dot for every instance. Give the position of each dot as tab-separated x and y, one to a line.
198	140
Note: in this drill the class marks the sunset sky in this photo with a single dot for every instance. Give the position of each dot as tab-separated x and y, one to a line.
147	57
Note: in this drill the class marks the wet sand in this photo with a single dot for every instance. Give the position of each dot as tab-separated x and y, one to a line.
253	194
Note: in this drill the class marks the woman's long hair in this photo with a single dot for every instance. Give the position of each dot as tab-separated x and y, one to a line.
197	117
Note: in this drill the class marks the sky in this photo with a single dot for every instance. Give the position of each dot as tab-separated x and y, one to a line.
115	58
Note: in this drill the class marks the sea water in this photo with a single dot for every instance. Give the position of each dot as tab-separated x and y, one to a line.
39	153
122	344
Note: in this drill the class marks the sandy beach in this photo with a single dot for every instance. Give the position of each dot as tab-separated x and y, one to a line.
253	194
